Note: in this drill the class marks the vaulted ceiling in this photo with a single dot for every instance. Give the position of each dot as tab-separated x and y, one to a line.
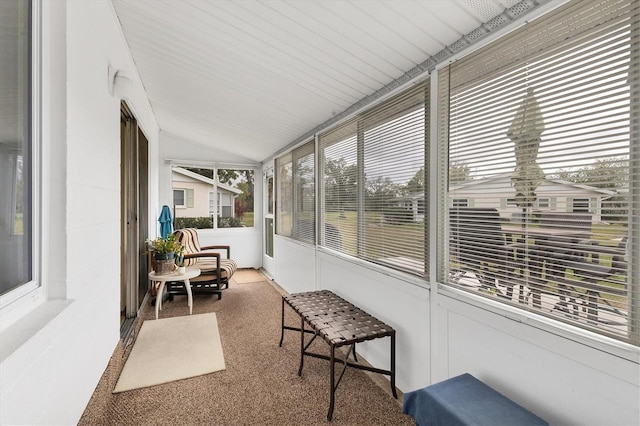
251	77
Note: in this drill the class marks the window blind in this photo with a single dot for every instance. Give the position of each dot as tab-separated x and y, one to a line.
295	192
374	183
536	137
284	195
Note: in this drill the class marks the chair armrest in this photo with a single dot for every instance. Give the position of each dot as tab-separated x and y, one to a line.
218	247
202	254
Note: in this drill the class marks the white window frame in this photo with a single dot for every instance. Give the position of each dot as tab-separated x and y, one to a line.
184	198
213	193
598	340
579	202
543	202
23	299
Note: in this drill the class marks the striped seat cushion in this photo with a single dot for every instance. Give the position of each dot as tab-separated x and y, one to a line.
208	267
188	237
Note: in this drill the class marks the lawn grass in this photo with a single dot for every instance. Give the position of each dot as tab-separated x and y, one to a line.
247	219
18	225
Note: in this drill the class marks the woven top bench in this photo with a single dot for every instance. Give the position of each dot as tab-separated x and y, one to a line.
339	323
334	319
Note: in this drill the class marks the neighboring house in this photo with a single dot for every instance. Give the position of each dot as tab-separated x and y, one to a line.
553	195
194	195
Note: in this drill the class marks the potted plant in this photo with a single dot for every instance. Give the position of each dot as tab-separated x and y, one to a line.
180	268
164	251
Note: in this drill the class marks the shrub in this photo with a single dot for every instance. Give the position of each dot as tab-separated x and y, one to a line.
206	222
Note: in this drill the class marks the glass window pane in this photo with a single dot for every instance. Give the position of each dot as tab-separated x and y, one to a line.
546	142
224	202
16	231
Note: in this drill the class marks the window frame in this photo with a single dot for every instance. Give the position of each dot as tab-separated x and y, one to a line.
579	204
215	167
184	198
295	197
601	339
401	109
20	299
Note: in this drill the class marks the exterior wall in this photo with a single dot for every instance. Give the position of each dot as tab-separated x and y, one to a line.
494	193
61	342
200	197
563	375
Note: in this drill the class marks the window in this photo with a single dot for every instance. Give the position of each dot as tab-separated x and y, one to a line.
581	205
543	203
296	194
374	183
544	114
225	201
460	202
179	198
17	162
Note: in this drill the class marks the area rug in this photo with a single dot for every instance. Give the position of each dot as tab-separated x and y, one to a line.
245	276
171	349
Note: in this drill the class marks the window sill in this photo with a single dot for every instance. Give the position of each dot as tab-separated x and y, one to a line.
584	337
17	334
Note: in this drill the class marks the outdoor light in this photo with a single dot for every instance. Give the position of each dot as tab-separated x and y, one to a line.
120	84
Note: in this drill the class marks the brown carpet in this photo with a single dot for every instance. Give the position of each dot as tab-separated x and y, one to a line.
260	385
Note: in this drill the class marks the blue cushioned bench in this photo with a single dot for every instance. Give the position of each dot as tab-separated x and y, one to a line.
465	400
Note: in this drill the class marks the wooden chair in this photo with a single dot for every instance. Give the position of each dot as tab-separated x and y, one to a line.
215	268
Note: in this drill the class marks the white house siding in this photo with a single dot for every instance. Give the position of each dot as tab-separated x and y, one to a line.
200	196
68	338
494	192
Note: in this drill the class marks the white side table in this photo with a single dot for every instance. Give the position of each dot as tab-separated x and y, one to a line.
174	276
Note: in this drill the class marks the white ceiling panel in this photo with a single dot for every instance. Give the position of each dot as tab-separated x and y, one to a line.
251	77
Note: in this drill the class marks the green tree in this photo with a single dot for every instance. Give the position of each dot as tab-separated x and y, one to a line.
208	173
608	173
416	183
340	182
459	173
379	192
227	176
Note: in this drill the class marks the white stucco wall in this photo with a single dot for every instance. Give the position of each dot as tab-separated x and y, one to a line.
564	375
73	323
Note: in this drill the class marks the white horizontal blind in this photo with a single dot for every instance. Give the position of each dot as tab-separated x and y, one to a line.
339	165
295	194
374	183
284	195
537	182
304	195
393	134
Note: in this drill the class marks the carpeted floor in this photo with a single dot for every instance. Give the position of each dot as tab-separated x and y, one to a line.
260	385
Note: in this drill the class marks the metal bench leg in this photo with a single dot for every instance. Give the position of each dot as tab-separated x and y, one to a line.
392	376
333	379
282	325
301	346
